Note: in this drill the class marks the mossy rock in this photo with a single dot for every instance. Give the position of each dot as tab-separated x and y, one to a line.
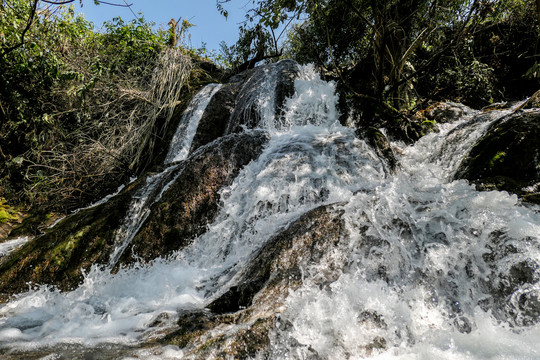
507	157
60	256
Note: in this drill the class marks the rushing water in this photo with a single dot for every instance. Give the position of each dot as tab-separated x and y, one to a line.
420	270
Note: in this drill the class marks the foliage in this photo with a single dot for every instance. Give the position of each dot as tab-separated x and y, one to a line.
388	50
252	42
7	213
460	76
80	107
493	63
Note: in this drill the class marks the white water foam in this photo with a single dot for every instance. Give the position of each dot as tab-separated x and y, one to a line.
8	246
426	265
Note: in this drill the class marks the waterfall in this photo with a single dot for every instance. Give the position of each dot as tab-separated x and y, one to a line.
421	279
417	274
153	189
181	142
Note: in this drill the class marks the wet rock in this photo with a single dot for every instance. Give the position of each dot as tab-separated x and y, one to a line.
239	322
61	255
221	116
191	201
507	157
378	140
256	89
446	112
281	259
287	73
214	121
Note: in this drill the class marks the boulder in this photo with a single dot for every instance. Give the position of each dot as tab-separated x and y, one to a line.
280	260
253	303
507	157
192	200
378	140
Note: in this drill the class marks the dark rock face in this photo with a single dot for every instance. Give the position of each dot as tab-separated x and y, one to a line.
507	157
191	202
246	112
234	104
287	72
261	289
216	116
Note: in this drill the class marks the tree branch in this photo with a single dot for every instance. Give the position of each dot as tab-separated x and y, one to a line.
28	25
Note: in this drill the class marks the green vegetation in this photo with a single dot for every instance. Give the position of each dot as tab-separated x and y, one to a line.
399	53
7	213
83	109
498	158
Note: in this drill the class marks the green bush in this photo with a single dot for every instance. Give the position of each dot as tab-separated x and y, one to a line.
80	107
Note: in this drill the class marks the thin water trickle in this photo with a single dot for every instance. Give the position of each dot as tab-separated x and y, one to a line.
182	139
155	184
8	246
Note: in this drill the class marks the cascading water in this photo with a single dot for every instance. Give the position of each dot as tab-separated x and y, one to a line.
182	139
423	271
426	264
155	184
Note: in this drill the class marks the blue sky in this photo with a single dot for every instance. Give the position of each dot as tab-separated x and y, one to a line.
210	26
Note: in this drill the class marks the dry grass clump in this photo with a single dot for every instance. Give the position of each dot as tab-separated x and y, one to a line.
119	123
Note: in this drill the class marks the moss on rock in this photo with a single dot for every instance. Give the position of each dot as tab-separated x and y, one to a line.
60	256
507	157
